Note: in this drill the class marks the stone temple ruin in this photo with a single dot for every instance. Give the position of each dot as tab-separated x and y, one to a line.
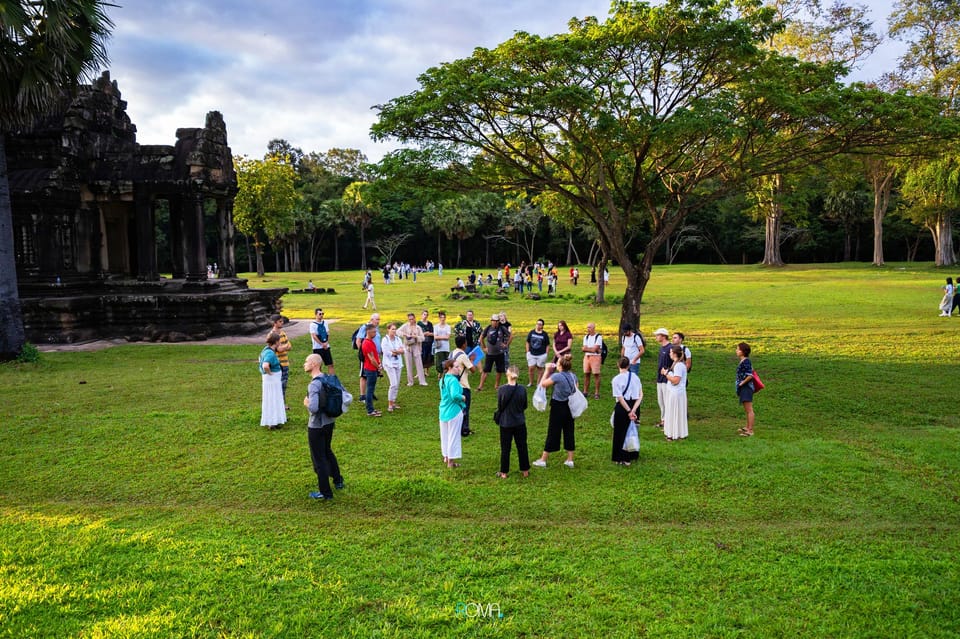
85	197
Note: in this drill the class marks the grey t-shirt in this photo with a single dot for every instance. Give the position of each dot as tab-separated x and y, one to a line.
564	385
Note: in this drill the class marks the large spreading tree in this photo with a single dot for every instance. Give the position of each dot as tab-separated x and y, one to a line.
642	119
46	48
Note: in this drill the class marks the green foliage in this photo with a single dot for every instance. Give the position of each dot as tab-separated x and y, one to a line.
162	509
28	354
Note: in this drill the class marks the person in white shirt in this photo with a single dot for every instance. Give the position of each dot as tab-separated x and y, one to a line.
392	347
592	345
633	348
627	395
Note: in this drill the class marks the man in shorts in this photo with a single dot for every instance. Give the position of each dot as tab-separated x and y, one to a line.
492	341
320	338
537	343
592	360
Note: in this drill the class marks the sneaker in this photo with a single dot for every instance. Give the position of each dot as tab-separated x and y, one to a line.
318	495
539	463
568	463
339	485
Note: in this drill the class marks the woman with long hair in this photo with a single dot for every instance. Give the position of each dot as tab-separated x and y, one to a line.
946	303
675	415
562	341
392	347
511	407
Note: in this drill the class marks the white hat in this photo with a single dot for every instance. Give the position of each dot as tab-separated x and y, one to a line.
662	331
495	316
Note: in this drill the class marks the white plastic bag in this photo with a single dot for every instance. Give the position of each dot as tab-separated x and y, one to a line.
577	403
347	400
631	443
540	398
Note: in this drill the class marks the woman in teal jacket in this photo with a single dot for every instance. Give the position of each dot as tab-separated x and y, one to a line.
451	412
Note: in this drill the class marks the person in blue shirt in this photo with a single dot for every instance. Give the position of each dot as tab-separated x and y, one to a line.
452	404
272	412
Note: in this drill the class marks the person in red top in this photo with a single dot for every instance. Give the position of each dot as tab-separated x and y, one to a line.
371	368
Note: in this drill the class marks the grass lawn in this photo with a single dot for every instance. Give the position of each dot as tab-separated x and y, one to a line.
140	498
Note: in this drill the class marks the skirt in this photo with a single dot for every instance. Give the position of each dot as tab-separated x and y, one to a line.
272	411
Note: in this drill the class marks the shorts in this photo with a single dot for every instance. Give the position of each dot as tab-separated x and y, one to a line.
325	355
536	361
745	392
490	360
591	364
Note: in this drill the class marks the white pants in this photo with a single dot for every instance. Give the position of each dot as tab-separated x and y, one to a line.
393	374
662	391
411	354
450	437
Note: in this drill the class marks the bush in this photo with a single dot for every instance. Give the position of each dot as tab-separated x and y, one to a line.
29	354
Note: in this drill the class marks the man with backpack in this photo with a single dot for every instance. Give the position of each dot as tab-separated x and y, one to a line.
320	337
632	347
324	406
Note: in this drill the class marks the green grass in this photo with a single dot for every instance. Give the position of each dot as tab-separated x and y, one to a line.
139	497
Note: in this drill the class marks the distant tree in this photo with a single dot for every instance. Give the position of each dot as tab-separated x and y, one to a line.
285	152
848	207
46	48
387	246
931	194
360	207
266	201
460	217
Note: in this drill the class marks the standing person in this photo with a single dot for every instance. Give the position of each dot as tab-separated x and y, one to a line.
956	298
492	341
464	376
627	395
946	303
320	431
560	421
452	405
320	339
537	343
470	329
283	350
675	424
511	407
633	347
426	348
677	340
592	345
371	368
663	362
372	302
508	327
441	343
745	387
412	337
358	338
393	349
562	341
273	414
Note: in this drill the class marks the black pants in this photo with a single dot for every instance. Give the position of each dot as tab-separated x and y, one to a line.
324	461
621	422
559	423
509	435
465	427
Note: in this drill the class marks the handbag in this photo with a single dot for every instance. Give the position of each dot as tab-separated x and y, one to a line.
540	399
631	442
757	384
577	403
496	417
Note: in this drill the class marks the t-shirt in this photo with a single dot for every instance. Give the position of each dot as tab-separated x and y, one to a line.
538	342
627	385
319	329
564	385
495	337
368	348
441	335
465	364
590	341
282	355
631	347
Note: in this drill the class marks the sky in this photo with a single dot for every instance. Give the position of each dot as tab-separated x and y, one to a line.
309	71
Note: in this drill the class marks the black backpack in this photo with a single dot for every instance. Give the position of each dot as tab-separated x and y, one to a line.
333	390
603	352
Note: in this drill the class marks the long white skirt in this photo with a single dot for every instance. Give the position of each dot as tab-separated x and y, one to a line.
675	417
450	439
272	411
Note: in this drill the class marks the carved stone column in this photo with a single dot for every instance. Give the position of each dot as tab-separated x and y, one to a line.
228	265
193	235
145	223
177	252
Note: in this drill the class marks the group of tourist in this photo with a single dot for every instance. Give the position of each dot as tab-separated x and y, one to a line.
418	345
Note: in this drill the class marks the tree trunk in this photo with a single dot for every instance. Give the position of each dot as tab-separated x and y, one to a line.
459	248
846	244
881	179
601	285
569	246
12	336
258	247
774	220
942	231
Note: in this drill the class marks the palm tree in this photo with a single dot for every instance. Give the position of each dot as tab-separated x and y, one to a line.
46	48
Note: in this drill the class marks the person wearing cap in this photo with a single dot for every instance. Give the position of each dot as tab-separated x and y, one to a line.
632	347
283	350
320	339
664	361
493	340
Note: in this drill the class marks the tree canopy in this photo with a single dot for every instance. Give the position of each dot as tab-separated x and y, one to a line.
655	113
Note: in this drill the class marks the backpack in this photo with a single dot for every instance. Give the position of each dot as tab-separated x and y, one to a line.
333	390
321	331
357	336
603	353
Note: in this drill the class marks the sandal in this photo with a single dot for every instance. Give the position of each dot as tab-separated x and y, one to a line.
502	475
746	434
596	395
453	465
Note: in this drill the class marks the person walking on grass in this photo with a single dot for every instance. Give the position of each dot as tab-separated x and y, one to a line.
273	414
592	347
946	303
627	395
511	407
561	422
452	405
745	388
675	422
955	307
370	300
320	431
392	348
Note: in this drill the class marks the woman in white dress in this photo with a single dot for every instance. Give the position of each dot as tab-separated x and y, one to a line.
393	348
946	303
675	414
272	412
